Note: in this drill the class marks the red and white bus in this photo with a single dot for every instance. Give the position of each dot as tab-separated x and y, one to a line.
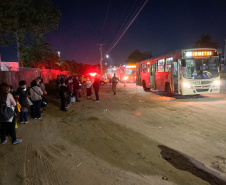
124	73
185	72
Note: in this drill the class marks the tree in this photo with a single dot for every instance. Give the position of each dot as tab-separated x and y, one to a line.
205	42
20	17
137	56
40	55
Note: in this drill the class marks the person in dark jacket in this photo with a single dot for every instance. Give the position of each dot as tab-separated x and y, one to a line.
70	90
96	86
24	102
58	82
64	94
76	88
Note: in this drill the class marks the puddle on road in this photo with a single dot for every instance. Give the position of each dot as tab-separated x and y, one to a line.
183	162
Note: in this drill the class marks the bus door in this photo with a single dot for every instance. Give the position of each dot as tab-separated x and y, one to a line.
152	76
175	75
138	79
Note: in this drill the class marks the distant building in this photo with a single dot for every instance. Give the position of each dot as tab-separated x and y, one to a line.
9	66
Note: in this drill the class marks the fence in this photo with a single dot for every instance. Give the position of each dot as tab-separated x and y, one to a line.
13	77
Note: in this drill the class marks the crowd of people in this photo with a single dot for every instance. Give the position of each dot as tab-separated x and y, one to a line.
32	100
21	101
70	88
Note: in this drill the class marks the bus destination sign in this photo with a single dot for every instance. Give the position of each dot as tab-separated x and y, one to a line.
200	53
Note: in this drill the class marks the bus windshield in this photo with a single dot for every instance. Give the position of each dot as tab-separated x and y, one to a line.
128	71
203	68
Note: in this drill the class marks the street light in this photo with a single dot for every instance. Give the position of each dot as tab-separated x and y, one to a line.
58	53
107	56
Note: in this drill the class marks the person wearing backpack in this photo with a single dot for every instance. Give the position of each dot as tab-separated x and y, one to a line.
7	118
24	102
36	98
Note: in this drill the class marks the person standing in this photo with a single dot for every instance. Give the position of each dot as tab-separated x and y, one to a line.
83	84
42	86
88	88
70	90
36	98
114	81
76	88
64	94
7	99
58	83
96	86
23	100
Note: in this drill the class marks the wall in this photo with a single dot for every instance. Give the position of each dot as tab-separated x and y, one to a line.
13	77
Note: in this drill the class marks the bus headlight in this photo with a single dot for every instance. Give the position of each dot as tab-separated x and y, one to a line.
186	84
125	77
217	82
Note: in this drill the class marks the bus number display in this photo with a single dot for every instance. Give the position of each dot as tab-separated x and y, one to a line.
202	53
190	54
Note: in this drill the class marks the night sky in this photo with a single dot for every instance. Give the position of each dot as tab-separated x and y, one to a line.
162	26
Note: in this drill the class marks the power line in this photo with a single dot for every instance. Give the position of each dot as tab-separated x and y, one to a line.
105	20
115	23
128	26
124	25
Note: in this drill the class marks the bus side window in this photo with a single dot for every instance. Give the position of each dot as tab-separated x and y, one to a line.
168	64
161	65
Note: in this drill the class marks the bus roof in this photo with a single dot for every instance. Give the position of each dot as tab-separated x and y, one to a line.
174	54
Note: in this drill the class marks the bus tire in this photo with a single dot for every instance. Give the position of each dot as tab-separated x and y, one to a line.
168	90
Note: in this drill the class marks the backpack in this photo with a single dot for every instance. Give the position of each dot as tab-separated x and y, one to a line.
5	113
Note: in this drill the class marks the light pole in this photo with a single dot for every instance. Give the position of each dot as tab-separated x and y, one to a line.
101	58
58	53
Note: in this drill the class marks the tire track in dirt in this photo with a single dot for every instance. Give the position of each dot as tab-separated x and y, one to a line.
37	167
192	116
31	176
123	148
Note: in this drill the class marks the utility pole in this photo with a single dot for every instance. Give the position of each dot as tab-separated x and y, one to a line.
101	58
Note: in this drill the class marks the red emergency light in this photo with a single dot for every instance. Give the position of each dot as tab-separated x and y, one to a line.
93	74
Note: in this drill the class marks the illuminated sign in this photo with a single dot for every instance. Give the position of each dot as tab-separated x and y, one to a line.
130	66
190	54
202	53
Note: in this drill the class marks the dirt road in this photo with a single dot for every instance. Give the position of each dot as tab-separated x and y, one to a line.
135	137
